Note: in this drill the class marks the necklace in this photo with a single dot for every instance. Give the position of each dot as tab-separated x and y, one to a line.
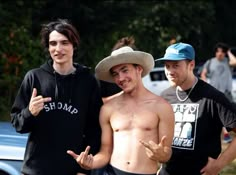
182	100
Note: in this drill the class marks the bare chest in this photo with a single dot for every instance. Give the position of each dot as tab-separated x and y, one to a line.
134	117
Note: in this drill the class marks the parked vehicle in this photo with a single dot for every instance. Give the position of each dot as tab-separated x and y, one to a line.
12	148
156	80
234	85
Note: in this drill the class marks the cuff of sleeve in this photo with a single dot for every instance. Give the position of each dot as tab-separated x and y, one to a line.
27	113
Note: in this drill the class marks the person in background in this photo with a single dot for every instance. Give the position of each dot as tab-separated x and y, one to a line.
109	89
232	58
137	125
58	104
200	113
217	69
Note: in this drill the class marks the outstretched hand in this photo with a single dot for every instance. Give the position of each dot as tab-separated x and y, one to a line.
37	102
84	159
157	152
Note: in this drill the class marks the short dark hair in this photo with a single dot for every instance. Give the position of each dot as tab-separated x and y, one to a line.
61	26
222	46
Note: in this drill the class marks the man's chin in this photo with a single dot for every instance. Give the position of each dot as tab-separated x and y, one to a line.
173	84
127	90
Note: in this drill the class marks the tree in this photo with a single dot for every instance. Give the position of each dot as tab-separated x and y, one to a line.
154	25
19	50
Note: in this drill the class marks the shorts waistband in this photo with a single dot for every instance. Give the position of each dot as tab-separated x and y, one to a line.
111	170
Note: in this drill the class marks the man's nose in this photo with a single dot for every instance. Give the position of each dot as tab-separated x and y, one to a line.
121	77
170	70
58	47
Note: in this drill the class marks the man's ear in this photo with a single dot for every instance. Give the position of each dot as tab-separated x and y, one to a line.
139	68
192	64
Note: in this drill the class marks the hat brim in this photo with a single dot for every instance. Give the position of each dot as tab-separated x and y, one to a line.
102	70
171	59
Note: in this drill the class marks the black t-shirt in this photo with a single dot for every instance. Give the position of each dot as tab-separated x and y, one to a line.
198	124
108	89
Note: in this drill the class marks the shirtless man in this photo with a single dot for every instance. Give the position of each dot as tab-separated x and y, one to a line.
137	125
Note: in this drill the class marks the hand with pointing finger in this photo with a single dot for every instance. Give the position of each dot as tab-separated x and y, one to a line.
157	152
37	102
85	160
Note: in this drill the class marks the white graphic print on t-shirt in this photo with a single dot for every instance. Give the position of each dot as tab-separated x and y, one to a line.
185	125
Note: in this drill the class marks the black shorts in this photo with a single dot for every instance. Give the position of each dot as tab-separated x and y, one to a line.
110	170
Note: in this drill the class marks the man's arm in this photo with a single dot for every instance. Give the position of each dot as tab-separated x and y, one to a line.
103	156
204	74
21	116
232	58
86	160
27	105
162	151
166	129
214	166
205	71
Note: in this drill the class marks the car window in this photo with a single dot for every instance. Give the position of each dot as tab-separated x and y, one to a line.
157	76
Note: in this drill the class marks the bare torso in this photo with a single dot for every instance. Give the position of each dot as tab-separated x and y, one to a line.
131	122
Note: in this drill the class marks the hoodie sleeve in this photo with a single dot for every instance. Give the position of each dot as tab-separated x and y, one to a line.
21	118
92	128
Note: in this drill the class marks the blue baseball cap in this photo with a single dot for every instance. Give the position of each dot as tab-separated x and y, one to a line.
177	52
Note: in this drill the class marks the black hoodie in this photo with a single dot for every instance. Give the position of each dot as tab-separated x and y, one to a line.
69	121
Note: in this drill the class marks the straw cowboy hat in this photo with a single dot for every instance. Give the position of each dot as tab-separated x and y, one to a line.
121	56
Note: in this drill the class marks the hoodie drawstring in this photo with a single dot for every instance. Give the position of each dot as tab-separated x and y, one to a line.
56	87
71	86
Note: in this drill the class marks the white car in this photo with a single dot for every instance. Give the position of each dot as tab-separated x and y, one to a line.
156	80
12	148
234	88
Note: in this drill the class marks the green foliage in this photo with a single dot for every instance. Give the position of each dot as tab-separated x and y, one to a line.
100	26
172	20
19	52
154	25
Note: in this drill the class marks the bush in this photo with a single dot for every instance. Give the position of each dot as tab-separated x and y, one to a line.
19	53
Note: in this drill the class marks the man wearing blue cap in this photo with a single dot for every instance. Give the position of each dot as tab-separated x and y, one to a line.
200	113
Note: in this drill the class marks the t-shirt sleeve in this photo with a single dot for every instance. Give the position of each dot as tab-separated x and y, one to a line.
226	111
